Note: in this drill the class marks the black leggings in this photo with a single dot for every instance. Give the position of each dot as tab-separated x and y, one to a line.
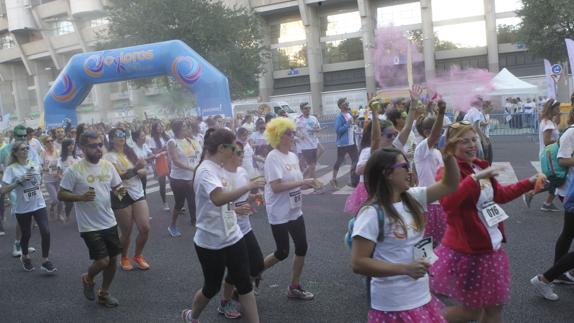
183	190
351	150
561	266
281	232
256	265
25	222
144	184
214	262
161	180
565	239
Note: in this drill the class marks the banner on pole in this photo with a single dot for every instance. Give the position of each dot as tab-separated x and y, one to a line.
570	49
551	85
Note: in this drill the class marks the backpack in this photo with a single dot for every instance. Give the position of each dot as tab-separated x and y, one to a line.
549	162
351	224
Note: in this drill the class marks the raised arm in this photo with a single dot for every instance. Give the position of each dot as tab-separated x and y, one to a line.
434	136
448	183
405	132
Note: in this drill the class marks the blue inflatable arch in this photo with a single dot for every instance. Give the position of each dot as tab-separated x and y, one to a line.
173	58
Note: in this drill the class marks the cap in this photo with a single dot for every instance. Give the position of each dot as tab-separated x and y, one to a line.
20	130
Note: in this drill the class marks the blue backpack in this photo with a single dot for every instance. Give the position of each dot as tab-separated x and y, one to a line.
549	163
351	224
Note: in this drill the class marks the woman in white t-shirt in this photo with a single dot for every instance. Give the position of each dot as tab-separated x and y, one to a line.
50	156
218	238
283	200
159	139
428	160
67	159
396	255
24	176
547	134
132	208
142	151
184	154
248	153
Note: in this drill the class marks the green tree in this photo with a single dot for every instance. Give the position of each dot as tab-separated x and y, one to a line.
507	34
229	38
545	24
417	37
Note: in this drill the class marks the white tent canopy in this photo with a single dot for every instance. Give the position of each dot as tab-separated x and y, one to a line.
505	83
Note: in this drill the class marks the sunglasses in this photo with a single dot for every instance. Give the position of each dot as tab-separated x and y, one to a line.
289	133
390	135
94	146
230	146
404	165
459	124
119	134
26	148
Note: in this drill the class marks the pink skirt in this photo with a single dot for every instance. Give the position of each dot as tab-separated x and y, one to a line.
356	199
436	223
429	312
475	280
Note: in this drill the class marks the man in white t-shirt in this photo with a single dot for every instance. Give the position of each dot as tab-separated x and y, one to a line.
88	184
307	128
478	121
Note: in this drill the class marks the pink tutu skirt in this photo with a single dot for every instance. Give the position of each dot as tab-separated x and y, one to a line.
428	313
475	280
436	223
356	199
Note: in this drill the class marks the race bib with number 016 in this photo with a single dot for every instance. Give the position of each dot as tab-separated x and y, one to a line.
493	214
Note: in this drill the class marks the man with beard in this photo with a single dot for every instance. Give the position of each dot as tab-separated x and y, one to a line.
88	184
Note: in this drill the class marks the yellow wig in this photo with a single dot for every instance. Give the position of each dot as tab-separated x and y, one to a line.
276	128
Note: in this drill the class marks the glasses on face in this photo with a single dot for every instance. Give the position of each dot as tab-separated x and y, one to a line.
20	136
26	148
403	165
230	146
392	135
238	153
95	146
289	133
119	134
459	124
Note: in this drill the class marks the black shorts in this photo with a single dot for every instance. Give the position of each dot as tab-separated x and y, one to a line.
103	243
310	155
125	202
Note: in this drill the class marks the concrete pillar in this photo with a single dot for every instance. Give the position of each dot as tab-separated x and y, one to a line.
137	99
312	25
20	91
7	104
102	100
266	76
368	13
491	37
428	39
42	78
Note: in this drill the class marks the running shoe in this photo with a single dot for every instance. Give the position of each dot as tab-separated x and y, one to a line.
107	300
549	208
299	293
565	279
333	183
16	250
173	231
229	309
141	264
2	233
544	289
166	206
186	316
89	291
527	198
126	264
27	264
48	267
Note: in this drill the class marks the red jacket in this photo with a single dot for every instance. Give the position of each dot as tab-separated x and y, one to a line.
465	232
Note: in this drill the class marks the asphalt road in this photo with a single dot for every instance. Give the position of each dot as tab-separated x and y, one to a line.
159	294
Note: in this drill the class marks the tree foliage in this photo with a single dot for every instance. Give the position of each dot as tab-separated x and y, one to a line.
229	38
508	34
417	37
545	24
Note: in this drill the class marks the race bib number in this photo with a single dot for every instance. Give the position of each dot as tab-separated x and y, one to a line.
31	193
295	199
229	218
493	214
423	250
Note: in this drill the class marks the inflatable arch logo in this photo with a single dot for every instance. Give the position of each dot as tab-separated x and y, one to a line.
172	58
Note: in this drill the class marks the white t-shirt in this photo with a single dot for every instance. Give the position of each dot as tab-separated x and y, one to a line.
189	152
363	159
36	145
248	154
258	139
474	115
306	132
51	166
566	150
427	162
96	215
285	206
153	144
239	179
144	152
28	195
133	184
401	292
211	226
545	125
70	160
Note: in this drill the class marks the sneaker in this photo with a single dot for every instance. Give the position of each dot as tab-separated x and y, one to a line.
299	293
549	208
166	207
48	267
186	316
2	233
173	231
126	264
229	309
107	300
544	289
333	183
16	250
27	264
527	198
565	279
89	291
141	264
31	250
